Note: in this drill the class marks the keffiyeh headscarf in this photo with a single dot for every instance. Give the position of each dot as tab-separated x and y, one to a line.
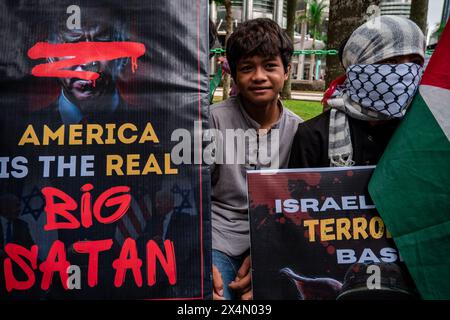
374	91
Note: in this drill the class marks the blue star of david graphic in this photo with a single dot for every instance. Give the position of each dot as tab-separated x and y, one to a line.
38	206
185	204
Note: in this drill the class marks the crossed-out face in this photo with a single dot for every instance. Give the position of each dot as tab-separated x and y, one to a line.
86	94
79	89
260	79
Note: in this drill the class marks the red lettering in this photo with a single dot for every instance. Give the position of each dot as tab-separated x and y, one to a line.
86	204
93	248
82	53
56	262
123	201
107	199
123	263
17	254
62	209
168	262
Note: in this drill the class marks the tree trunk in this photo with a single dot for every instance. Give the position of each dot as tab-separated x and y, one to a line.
312	60
419	11
345	17
301	57
229	30
291	6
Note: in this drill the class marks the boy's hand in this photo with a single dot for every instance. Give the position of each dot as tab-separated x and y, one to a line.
217	284
243	282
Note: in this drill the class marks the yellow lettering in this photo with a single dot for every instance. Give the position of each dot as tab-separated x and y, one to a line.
75	132
29	136
110	129
325	229
167	168
149	134
311	224
151	166
114	163
94	132
121	136
359	228
373	227
343	228
50	135
132	164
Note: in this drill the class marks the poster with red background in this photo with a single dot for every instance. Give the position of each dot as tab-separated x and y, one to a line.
316	235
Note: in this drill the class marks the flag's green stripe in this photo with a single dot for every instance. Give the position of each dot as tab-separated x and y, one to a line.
410	188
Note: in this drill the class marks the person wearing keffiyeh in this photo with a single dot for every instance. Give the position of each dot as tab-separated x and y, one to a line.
383	60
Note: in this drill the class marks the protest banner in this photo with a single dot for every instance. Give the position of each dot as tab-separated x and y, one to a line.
315	235
94	201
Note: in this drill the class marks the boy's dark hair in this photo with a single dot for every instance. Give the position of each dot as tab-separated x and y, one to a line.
262	37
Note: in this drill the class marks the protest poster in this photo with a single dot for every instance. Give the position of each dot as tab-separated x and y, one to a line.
316	235
100	193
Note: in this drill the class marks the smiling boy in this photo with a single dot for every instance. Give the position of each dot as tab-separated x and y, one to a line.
258	53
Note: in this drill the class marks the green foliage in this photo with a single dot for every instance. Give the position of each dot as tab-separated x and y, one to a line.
439	31
314	17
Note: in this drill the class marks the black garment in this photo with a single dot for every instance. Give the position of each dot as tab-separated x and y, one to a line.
310	146
20	234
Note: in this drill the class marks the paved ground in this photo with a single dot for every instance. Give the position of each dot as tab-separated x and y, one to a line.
296	95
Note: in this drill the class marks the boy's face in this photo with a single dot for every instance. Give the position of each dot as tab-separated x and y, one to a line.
260	79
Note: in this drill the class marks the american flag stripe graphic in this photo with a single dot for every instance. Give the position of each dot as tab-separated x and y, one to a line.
133	222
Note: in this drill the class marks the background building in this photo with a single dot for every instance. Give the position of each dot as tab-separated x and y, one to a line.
396	7
249	9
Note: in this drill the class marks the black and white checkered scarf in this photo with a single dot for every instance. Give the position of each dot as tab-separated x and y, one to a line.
374	92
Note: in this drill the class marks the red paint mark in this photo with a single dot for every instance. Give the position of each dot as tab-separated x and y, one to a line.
350	173
297	218
262	193
331	250
81	53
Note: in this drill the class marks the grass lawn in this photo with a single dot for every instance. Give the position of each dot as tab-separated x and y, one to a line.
304	109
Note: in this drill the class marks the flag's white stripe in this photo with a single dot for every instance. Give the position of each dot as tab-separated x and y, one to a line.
137	213
129	226
148	204
119	235
438	100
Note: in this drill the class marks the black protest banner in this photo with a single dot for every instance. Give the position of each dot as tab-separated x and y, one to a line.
96	97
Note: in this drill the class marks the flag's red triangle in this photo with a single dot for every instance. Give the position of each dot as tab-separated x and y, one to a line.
438	70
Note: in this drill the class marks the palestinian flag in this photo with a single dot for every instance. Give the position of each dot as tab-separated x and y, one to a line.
411	184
